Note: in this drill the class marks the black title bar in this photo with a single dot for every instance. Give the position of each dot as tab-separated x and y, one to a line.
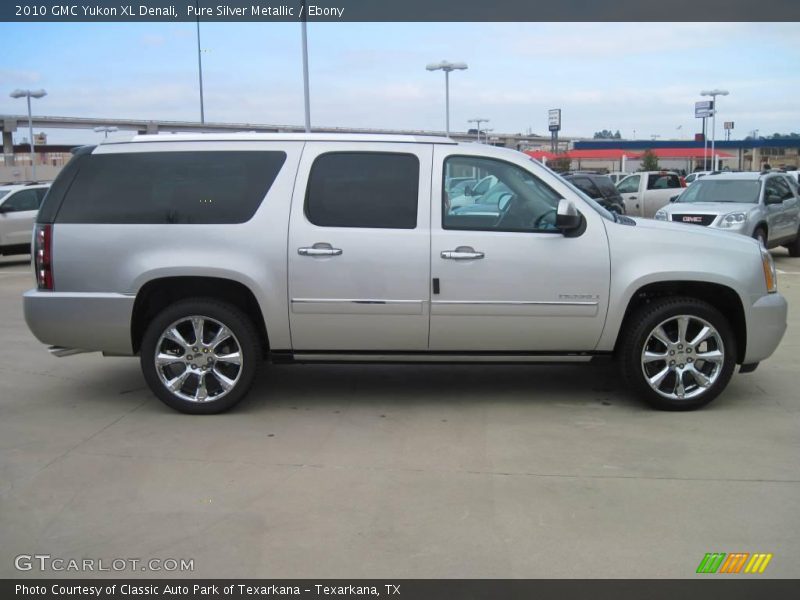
704	587
399	10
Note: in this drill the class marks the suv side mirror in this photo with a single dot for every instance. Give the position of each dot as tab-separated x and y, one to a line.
567	216
773	199
674	198
468	190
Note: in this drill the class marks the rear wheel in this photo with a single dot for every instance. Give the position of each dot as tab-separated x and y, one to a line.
678	353
200	356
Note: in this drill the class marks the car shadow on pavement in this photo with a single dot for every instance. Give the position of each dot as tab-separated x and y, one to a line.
323	385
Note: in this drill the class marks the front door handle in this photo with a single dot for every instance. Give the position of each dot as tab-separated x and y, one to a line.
320	249
462	253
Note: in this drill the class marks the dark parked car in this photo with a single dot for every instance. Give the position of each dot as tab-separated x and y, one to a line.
600	188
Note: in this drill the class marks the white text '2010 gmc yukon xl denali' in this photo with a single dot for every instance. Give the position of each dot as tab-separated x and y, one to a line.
206	254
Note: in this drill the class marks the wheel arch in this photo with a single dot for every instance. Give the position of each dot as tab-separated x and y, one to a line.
157	294
725	299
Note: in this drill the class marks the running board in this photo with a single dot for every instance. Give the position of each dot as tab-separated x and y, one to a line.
430	357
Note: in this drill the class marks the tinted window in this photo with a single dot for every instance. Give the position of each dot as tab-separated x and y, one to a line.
606	186
663	182
170	187
585	185
22	201
363	189
518	201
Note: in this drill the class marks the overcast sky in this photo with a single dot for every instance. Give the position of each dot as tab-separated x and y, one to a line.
642	77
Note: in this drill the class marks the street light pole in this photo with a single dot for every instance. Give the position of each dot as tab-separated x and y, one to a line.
714	93
447	67
30	94
306	92
478	121
106	130
200	65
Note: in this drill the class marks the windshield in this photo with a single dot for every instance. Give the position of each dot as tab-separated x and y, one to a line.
715	190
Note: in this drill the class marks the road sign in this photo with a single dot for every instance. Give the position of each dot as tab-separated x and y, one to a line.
554	119
728	124
703	109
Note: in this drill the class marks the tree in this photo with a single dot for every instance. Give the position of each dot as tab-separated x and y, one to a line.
605	135
560	163
649	161
617	135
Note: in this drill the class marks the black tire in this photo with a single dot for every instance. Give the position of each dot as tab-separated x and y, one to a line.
760	234
794	246
642	324
243	341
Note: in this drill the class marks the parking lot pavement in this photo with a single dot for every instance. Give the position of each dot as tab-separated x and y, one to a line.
394	471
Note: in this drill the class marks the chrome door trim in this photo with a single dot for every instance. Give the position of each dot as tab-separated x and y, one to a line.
519	302
515	308
354	306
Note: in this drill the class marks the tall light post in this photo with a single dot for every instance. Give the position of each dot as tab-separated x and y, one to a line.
478	121
106	130
447	67
714	93
306	91
200	65
30	94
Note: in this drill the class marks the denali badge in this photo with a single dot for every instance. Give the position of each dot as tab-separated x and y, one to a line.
691	219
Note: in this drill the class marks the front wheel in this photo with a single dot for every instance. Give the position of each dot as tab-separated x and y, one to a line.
200	356
678	353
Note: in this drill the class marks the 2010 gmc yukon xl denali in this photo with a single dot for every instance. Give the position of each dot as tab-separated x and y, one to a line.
207	254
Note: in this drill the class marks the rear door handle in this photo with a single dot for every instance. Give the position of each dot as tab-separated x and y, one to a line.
462	253
320	249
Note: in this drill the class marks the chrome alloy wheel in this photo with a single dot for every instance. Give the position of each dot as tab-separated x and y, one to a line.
682	357
198	359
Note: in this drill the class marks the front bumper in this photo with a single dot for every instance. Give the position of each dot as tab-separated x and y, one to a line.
85	321
766	325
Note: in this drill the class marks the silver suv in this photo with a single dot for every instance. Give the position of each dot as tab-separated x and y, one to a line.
761	205
206	254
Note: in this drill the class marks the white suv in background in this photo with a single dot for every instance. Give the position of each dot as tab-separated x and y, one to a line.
19	204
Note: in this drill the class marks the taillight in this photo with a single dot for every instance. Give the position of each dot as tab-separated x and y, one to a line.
43	256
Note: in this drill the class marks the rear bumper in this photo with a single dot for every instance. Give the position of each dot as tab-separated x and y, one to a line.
766	325
88	321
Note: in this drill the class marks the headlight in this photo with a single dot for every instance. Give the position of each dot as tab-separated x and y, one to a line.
770	275
661	215
733	219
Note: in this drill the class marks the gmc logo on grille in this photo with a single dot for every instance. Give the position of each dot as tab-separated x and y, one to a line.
690	219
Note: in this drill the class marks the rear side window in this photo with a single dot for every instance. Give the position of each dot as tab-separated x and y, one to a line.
22	201
663	182
606	186
170	187
585	185
363	189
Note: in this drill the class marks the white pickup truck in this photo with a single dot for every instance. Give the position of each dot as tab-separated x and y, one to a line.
645	192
